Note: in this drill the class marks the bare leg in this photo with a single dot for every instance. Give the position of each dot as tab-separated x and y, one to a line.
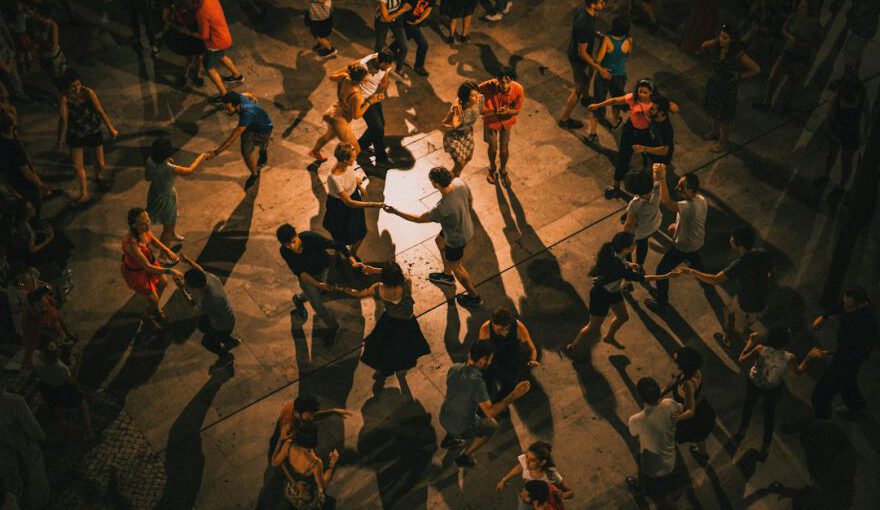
323	140
214	76
250	161
441	244
324	42
466	25
76	154
723	137
588	333
464	277
452	23
457	167
620	317
493	150
355	247
504	154
100	164
229	64
570	103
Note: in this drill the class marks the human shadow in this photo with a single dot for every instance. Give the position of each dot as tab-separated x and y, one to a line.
184	458
398	442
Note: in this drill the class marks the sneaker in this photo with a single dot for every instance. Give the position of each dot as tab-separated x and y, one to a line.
441	279
233	79
465	460
217	100
451	443
492	17
508	7
654	306
325	53
468	301
421	71
570	124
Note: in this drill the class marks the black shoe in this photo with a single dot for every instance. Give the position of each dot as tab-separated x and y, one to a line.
654	306
451	443
465	460
217	100
263	159
450	39
233	79
570	124
612	192
441	278
421	71
386	164
468	301
593	138
325	53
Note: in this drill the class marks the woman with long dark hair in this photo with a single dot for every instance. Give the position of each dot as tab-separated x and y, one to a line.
458	126
344	217
397	342
728	57
697	418
609	274
141	270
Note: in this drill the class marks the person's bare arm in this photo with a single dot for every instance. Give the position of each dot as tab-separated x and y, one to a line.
311	280
134	252
338	75
350	202
711	43
613	101
422	218
358	293
423	17
331	468
62	120
751	67
100	109
185	170
491	410
603	49
665	197
526	339
361	106
690	405
750	348
514	472
235	135
388	18
800	368
711	279
282	450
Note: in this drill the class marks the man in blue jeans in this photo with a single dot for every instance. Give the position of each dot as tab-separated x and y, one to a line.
403	18
255	130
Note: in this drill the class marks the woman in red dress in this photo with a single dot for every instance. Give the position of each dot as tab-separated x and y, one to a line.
140	269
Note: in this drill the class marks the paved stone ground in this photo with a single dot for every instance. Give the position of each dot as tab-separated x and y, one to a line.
174	437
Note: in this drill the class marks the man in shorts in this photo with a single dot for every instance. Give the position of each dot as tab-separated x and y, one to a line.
215	32
255	130
453	213
320	21
466	393
751	272
580	56
503	101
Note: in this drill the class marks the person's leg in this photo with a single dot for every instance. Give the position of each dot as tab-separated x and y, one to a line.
464	278
230	65
457	167
249	152
466	25
849	390
641	251
588	333
728	328
77	157
772	83
621	315
215	78
671	259
414	32
381	32
374	131
100	165
824	392
452	23
491	138
400	45
771	398
378	134
167	234
314	297
751	398
831	157
488	426
323	140
504	148
846	166
624	154
723	135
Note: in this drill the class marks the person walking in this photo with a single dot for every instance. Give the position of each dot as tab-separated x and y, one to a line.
162	197
140	269
214	31
389	18
466	394
636	130
182	37
510	339
536	463
350	105
319	18
396	342
856	338
751	271
255	130
655	427
453	213
217	319
458	10
503	101
412	27
609	274
766	377
375	86
344	212
80	117
20	440
613	54
583	65
728	57
458	126
688	231
697	417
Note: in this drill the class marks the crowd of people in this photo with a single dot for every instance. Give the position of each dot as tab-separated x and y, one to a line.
496	372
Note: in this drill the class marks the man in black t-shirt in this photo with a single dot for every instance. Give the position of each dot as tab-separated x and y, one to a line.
751	272
306	255
580	56
662	135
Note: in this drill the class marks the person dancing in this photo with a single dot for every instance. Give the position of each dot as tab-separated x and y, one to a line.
349	105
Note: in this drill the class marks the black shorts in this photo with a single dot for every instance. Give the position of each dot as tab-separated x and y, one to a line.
665	486
92	140
453	254
321	28
601	301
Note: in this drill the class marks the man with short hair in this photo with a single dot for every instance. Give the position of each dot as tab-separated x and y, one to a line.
662	135
453	213
375	86
214	31
466	394
217	319
539	495
688	232
751	272
503	101
412	27
655	425
580	56
389	18
255	130
306	255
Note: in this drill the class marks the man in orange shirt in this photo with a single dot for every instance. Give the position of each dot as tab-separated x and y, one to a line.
215	32
503	102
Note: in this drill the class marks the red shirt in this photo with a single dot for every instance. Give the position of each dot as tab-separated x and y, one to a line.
638	112
513	100
212	25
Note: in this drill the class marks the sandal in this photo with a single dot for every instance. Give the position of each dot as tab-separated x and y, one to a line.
492	178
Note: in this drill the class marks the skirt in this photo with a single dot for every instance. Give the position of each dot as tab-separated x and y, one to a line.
347	225
697	428
394	344
459	144
162	208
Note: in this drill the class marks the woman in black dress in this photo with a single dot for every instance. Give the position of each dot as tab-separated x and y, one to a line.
511	340
697	418
609	274
344	217
397	342
728	56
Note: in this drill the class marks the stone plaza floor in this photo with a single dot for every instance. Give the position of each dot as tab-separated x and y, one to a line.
173	436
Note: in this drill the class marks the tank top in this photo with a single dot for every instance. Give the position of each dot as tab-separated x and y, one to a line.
82	119
615	61
403	309
507	346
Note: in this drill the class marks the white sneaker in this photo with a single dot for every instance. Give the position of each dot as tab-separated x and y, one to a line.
509	6
493	17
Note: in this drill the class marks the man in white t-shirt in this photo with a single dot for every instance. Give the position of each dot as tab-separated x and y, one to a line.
376	85
654	425
688	232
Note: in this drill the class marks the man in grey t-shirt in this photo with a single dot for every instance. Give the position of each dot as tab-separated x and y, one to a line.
453	213
688	231
217	320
